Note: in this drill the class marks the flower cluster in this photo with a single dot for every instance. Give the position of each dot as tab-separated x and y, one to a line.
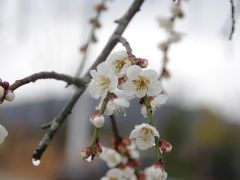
5	92
120	78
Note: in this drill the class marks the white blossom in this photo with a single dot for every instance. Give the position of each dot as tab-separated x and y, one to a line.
155	173
119	62
141	83
114	174
155	102
110	156
116	104
103	80
3	134
144	136
97	120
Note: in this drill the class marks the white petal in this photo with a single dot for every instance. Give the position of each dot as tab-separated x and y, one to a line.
129	88
93	73
110	108
134	133
150	74
155	88
114	83
141	93
159	100
95	90
143	145
133	72
144	111
121	102
104	68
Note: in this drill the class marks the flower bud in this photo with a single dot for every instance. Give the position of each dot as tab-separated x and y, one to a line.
86	153
165	146
142	62
5	85
9	96
97	120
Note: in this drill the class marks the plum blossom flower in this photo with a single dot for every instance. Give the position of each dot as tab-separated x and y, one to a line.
141	83
103	80
110	156
155	172
143	135
116	104
3	134
115	173
119	62
155	102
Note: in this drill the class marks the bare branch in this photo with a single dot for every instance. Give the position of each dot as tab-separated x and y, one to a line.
233	19
47	75
57	122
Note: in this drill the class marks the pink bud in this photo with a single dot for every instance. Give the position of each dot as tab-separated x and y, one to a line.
165	146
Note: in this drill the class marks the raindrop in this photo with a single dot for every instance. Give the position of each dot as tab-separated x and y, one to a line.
125	114
36	162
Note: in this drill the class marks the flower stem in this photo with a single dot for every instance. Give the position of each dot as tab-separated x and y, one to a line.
95	137
151	121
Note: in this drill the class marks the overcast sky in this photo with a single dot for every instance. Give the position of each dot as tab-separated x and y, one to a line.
44	35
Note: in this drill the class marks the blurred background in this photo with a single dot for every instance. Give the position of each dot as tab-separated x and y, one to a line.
201	118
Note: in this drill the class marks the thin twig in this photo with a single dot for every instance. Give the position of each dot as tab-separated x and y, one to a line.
233	19
125	44
47	75
122	24
89	40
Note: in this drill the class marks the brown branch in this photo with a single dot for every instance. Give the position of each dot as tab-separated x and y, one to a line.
47	75
57	122
233	19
